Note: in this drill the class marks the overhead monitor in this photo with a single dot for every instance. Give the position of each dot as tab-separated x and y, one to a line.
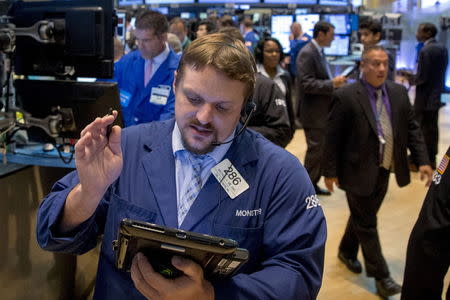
225	1
305	2
308	21
281	29
149	2
339	47
161	9
341	23
187	15
334	2
130	2
203	15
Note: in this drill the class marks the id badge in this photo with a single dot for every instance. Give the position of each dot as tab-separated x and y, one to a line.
229	178
125	98
160	94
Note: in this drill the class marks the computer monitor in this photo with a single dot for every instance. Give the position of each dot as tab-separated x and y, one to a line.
334	2
80	38
341	23
130	2
79	102
281	29
301	2
308	21
339	47
161	9
149	2
225	1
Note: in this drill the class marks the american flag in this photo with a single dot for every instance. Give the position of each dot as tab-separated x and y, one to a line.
443	165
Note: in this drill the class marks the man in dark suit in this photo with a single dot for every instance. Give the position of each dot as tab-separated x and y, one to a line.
429	81
370	128
315	86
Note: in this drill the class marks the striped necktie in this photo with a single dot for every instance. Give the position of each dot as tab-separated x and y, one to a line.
195	185
386	127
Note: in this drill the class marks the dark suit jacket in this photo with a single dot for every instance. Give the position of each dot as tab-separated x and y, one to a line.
314	88
352	148
430	77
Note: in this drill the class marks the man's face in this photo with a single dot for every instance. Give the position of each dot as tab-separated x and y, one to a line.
325	39
368	38
149	44
179	30
202	31
296	30
207	107
375	67
421	35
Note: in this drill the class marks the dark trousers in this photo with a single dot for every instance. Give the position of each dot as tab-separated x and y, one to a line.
428	121
315	139
362	228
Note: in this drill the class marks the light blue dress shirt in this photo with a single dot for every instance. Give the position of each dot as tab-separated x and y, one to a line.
183	168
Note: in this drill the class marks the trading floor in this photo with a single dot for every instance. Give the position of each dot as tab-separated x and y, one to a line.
27	272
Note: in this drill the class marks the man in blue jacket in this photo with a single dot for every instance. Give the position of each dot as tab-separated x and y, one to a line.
160	172
145	76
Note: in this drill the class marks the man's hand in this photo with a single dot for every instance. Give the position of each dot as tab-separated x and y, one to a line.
339	81
426	172
154	286
99	162
329	181
99	158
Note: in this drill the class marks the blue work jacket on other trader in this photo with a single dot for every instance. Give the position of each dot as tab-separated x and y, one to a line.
135	97
285	236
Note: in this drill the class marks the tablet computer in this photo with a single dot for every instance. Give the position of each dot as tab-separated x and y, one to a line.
219	257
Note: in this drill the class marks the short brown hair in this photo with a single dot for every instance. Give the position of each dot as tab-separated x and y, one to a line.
150	19
369	49
225	54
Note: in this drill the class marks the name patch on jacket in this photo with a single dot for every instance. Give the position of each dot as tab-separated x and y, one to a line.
229	178
160	94
248	212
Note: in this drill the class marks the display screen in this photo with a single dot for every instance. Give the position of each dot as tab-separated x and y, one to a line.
339	47
224	1
308	22
130	2
312	2
341	23
333	2
281	29
162	9
168	1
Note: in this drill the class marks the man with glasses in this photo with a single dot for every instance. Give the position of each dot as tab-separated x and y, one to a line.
145	76
368	118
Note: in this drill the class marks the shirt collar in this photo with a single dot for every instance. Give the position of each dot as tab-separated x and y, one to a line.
217	154
317	45
373	89
428	41
260	69
160	58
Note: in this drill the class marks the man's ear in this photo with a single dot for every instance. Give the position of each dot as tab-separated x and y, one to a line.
378	36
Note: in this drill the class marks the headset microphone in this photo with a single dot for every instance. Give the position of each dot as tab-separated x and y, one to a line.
252	106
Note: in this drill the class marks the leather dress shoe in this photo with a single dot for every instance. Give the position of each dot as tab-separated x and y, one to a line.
387	287
321	191
352	264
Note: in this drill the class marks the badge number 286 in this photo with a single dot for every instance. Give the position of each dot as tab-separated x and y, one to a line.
229	178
